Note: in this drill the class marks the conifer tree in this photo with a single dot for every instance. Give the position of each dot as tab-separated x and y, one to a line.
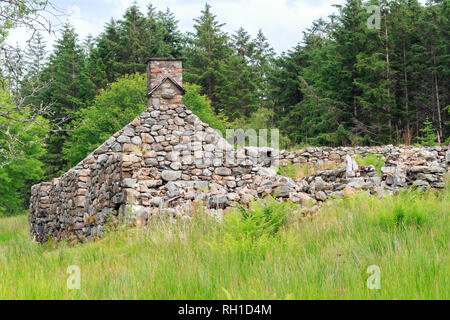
69	90
205	52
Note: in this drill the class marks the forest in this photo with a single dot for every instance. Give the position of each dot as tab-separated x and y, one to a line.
344	83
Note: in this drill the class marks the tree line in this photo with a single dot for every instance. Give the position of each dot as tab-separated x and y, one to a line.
345	83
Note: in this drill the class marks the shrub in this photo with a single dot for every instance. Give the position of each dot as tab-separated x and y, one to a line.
20	152
288	171
113	108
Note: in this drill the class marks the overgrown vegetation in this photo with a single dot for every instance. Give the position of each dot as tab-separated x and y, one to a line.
301	170
269	251
265	217
371	160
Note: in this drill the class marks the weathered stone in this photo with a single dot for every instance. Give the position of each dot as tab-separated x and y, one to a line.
123	139
283	191
207	173
147	138
116	147
222	171
173	189
421	183
80	201
170	175
305	200
128	131
129	147
356	183
349	191
218	201
136	140
351	167
175	165
129	183
320	184
152	162
187	160
439	184
270	172
334	157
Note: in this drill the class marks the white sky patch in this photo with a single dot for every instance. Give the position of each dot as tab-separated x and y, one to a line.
282	21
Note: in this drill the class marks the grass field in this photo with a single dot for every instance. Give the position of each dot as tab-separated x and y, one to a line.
280	257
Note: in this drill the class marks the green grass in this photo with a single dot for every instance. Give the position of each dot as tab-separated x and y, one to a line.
261	253
371	159
298	171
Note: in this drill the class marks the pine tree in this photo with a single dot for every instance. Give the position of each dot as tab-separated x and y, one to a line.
35	63
171	38
36	53
69	90
262	62
205	52
428	135
237	88
286	92
243	45
126	44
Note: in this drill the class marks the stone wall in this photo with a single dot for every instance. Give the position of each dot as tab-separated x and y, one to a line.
404	165
74	206
320	155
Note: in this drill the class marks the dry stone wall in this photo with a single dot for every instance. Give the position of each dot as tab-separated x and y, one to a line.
404	165
76	205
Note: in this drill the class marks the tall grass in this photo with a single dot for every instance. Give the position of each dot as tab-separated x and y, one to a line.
300	170
266	252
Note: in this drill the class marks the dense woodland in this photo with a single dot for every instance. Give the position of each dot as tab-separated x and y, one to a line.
343	84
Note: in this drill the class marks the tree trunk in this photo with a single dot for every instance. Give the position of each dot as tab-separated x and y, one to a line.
388	77
408	130
436	88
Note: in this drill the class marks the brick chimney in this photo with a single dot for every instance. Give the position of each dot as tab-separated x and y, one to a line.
160	68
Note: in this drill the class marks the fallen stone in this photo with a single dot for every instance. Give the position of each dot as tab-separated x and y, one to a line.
322	196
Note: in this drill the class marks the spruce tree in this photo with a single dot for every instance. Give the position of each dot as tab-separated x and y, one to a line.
262	62
205	52
69	90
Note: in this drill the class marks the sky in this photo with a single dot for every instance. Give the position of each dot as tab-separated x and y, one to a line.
282	21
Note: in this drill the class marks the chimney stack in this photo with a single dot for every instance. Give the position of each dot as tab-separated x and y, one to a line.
160	68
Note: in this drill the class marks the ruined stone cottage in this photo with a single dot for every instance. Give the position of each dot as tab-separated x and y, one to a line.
163	157
166	159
